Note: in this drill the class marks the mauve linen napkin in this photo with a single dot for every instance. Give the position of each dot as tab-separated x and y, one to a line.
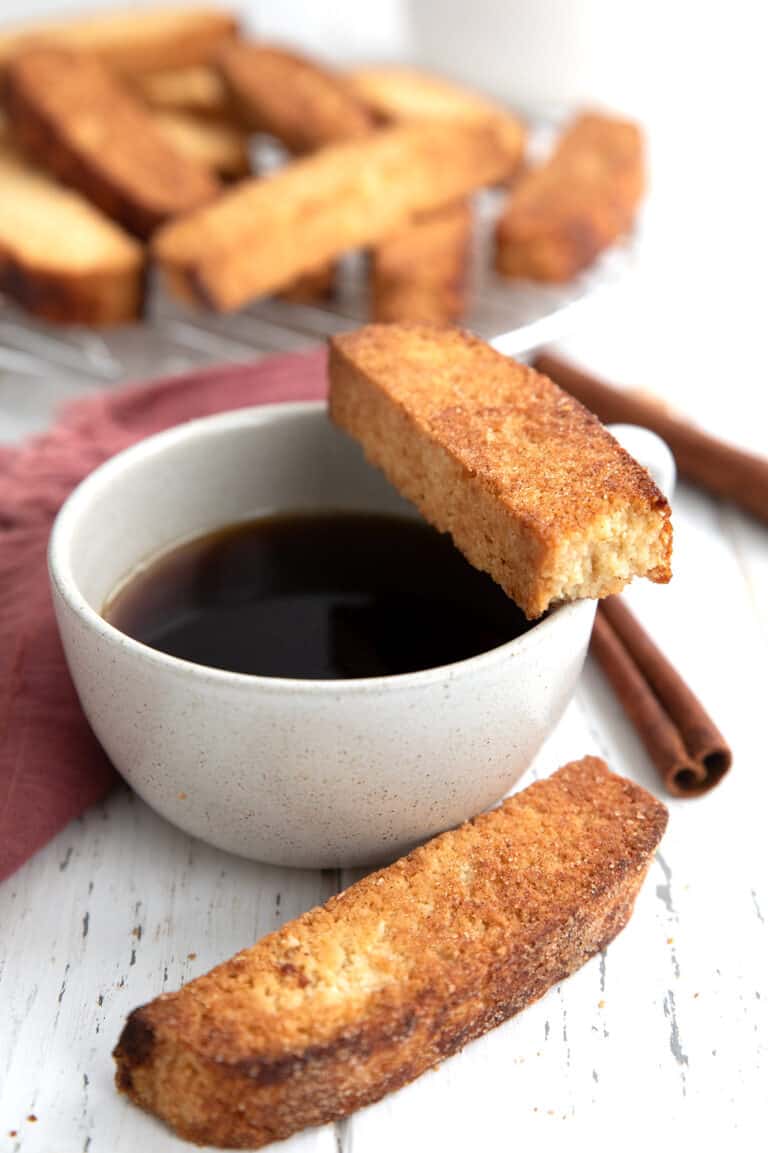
51	766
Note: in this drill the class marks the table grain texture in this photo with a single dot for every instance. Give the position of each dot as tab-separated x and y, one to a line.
663	1033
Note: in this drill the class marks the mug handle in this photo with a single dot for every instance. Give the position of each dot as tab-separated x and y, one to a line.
650	451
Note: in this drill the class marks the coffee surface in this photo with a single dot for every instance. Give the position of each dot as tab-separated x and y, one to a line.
316	595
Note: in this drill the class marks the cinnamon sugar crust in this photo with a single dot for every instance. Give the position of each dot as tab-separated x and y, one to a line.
357	997
561	215
529	484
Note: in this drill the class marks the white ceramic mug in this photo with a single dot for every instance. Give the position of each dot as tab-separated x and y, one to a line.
294	772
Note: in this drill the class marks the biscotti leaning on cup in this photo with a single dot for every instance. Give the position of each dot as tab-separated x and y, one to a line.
360	996
531	487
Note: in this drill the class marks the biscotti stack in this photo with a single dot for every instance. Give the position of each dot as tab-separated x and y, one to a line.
89	171
419	272
149	119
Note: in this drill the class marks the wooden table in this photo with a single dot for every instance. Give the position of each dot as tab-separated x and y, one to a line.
665	1029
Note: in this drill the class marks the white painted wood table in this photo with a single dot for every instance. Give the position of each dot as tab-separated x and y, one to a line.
664	1032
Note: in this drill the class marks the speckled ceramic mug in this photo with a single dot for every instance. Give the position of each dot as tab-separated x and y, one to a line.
294	772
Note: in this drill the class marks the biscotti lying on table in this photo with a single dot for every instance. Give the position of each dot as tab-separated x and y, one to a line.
531	487
360	996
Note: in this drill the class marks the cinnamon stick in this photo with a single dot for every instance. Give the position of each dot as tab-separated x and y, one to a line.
682	740
716	466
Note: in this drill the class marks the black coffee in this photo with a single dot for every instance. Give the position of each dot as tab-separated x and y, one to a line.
321	595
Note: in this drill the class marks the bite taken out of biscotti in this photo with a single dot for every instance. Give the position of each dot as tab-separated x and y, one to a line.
530	485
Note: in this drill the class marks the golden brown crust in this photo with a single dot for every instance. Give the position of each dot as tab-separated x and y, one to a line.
302	104
100	298
562	215
59	257
261	236
530	485
71	116
131	44
356	998
420	274
401	95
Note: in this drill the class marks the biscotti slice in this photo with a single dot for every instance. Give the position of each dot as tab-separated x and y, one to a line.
401	95
420	274
60	258
360	996
291	97
529	484
217	144
129	41
69	114
198	90
265	233
562	215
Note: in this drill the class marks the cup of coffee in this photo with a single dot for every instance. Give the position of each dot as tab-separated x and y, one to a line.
282	659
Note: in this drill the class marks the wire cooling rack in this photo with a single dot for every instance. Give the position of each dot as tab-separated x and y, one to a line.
41	366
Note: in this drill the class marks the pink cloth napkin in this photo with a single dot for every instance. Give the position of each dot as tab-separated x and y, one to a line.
51	766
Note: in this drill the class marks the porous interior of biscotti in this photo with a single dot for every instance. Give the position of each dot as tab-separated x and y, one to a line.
602	560
52	227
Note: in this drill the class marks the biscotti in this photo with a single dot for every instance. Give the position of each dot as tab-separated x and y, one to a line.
402	95
216	144
420	274
130	42
360	996
69	114
529	484
291	97
60	258
265	233
562	215
198	90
